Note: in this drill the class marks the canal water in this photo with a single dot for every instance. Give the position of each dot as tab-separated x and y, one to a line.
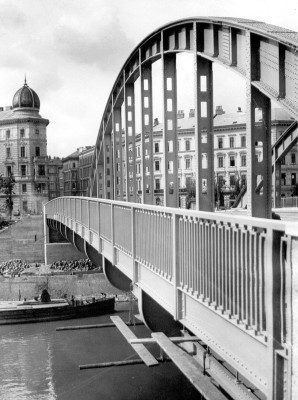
40	363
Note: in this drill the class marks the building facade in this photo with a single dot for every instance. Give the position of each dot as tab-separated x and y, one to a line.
230	156
23	144
75	172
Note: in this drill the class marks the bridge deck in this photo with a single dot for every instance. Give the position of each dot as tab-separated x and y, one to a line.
139	348
189	367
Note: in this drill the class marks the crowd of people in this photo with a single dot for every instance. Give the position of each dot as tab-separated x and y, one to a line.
74	266
13	267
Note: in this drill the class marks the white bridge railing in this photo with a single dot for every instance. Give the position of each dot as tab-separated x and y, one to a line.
226	278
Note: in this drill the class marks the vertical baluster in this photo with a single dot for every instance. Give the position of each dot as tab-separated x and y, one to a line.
207	257
191	256
251	283
192	264
196	261
166	240
229	268
155	240
246	276
261	284
220	271
255	282
181	251
213	261
236	280
242	277
201	226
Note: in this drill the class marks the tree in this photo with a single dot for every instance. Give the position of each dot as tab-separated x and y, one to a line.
190	191
295	191
6	187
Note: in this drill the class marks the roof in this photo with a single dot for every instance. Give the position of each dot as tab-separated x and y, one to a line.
9	116
26	97
228	119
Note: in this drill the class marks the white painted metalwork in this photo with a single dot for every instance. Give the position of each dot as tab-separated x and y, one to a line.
225	278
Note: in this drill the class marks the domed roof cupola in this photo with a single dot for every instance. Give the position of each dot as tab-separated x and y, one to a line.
25	98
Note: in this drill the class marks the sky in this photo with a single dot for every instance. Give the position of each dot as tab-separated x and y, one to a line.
72	51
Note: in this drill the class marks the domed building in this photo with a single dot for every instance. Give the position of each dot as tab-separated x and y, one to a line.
23	151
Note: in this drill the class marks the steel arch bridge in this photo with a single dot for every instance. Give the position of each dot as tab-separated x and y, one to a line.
264	55
230	281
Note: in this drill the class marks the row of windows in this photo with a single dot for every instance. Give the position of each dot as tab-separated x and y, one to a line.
22	151
220	142
22	133
232	161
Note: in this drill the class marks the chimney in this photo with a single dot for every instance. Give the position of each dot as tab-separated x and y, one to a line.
155	122
219	110
180	114
239	109
191	113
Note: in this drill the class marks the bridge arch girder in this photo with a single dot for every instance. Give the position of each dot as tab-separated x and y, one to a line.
266	57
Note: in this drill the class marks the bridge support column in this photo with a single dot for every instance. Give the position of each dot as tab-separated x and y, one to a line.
130	142
259	182
147	135
108	170
204	140
117	154
277	185
171	197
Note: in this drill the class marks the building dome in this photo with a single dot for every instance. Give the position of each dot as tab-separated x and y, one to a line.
25	97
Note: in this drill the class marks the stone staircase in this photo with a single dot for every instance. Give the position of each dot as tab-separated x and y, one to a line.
24	240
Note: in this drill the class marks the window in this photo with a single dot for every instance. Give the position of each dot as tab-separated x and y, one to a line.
243	179
243	161
293	179
283	179
243	141
187	163
73	165
170	166
37	151
8	134
24	188
220	143
8	171
232	180
283	161
156	165
232	161
41	170
178	145
220	162
8	152
156	147
23	151
22	133
37	131
157	184
187	145
232	142
108	160
23	170
221	180
293	158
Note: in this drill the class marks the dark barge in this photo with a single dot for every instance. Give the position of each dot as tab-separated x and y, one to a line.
20	312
